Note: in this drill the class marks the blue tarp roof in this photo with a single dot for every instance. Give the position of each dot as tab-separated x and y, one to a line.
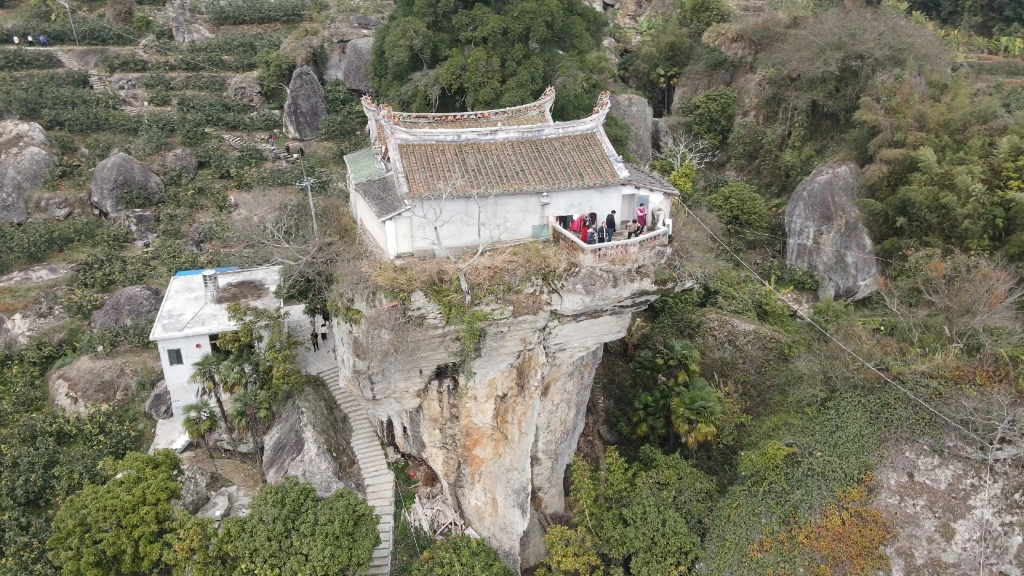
194	272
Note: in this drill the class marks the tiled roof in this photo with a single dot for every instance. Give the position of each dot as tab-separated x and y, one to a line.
641	178
471	120
382	195
501	166
362	166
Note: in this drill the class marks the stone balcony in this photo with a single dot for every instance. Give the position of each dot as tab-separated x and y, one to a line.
635	250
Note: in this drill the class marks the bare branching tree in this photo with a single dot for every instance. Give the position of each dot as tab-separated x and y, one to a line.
689	149
438	211
283	233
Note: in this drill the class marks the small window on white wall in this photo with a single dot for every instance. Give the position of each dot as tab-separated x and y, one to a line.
174	357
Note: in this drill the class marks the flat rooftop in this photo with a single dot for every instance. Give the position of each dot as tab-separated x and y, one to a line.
185	311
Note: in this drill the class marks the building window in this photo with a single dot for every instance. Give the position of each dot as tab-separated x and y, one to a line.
174	357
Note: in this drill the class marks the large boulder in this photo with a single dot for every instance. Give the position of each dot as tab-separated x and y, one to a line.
245	88
196	482
97	381
57	207
354	69
129	305
639	116
311	440
158	405
826	235
219	506
22	168
185	27
306	106
181	161
20	133
122	175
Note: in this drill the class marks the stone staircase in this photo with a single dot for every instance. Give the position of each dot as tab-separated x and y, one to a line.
97	79
143	48
378	479
273	153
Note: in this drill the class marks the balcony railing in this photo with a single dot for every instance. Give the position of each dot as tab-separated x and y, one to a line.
617	252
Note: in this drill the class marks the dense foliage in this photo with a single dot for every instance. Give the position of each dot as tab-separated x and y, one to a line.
461	555
255	11
120	527
645	517
46	457
290	530
479	55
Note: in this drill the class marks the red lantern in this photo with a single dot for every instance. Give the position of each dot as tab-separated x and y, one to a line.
199	345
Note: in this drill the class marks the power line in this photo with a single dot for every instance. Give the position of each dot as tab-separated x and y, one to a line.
831	337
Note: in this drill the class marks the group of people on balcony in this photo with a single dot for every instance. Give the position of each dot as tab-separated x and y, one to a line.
592	232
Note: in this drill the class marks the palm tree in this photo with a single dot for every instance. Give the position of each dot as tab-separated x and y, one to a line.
682	356
696	412
200	421
247	410
645	367
206	374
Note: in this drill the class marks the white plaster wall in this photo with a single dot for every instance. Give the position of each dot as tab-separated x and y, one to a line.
512	216
366	218
182	391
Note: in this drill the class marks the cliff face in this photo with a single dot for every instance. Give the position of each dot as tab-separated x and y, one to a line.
500	440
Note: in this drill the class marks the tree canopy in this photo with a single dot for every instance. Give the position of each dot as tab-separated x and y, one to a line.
119	527
461	555
645	517
290	531
464	55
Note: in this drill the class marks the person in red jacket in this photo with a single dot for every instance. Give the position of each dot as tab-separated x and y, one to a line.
641	219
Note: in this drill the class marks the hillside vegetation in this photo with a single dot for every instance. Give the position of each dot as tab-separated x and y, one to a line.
747	425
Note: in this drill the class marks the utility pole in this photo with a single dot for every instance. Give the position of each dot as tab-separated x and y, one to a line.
306	183
72	20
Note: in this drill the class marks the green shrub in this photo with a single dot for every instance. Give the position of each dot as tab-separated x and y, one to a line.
199	83
35	240
739	206
63	100
120	62
229	12
14	60
461	555
699	15
81	302
713	113
227	52
619	134
109	269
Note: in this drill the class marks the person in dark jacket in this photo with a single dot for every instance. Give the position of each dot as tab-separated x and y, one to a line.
602	234
591	237
609	224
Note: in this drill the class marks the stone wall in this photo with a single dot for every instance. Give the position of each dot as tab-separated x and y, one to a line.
501	439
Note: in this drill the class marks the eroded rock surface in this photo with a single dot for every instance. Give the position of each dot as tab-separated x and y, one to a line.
311	441
244	87
185	27
120	177
33	274
826	234
129	305
22	168
182	162
951	512
500	439
638	114
352	68
195	487
95	380
158	405
306	106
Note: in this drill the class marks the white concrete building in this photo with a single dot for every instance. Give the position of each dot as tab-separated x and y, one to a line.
434	182
194	311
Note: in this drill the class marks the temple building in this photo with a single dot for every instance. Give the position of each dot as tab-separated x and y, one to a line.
431	183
